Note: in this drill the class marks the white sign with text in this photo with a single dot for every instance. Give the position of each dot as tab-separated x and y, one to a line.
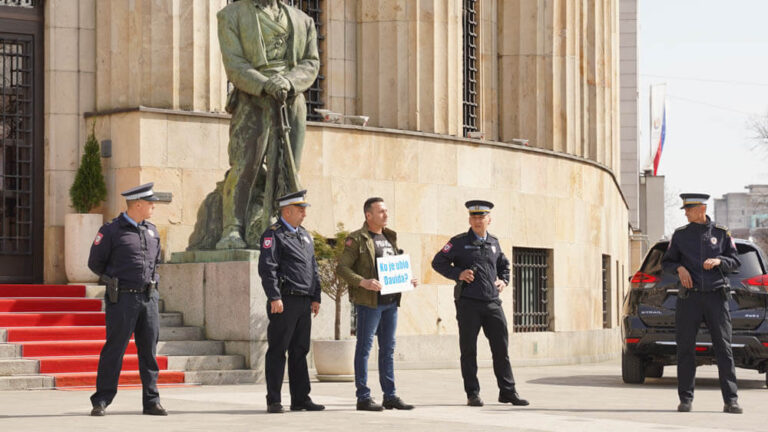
395	273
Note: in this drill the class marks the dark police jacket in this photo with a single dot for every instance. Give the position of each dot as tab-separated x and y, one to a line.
129	253
287	263
465	250
693	244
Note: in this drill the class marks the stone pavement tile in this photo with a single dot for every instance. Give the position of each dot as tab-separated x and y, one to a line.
585	397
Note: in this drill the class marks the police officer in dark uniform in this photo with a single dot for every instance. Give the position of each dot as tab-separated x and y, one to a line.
474	260
125	254
288	271
702	253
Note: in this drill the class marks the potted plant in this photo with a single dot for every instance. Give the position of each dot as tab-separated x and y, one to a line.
87	192
334	359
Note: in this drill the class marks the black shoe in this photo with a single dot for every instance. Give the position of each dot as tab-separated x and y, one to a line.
732	408
474	401
685	406
275	408
396	403
368	405
513	398
307	405
155	409
99	410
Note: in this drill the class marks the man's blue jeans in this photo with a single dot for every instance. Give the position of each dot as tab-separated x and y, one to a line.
382	321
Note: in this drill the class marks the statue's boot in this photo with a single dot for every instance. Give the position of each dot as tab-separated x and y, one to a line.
231	240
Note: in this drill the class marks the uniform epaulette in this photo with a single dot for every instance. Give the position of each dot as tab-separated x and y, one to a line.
722	227
460	235
275	227
682	227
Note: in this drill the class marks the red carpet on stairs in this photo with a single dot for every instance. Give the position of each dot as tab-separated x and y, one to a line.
64	331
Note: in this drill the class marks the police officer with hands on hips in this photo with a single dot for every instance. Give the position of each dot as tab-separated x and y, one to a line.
474	260
289	276
126	252
702	254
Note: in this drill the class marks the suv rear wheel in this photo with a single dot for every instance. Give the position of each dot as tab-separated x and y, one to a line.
632	369
654	370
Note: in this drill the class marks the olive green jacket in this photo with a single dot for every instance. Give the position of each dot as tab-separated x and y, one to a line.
358	262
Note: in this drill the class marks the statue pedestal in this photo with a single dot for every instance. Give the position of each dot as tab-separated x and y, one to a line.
221	291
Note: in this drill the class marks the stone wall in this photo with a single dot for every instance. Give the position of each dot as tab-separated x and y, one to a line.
543	200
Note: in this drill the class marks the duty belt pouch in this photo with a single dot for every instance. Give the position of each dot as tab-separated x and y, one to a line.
457	289
682	292
112	289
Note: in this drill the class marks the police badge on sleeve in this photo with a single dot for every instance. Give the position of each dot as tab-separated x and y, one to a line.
98	238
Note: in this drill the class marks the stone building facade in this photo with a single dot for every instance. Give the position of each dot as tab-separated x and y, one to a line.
545	98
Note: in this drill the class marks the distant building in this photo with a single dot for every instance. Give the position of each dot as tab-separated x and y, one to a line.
745	213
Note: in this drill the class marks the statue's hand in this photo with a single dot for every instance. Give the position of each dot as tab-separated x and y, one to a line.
277	84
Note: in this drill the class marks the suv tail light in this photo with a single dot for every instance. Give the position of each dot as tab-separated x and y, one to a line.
759	282
641	277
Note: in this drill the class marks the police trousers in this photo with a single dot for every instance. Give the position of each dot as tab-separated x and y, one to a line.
289	331
711	308
133	314
472	315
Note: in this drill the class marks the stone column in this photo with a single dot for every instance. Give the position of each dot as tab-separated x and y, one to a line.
159	53
409	64
558	76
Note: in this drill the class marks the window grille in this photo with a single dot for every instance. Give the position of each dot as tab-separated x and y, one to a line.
16	144
313	95
530	268
606	290
20	3
470	103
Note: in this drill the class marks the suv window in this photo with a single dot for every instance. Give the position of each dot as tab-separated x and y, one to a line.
750	265
652	264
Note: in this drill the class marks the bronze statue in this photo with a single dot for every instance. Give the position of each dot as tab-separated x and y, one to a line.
270	55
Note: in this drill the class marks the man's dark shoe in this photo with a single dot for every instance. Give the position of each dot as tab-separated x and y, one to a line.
368	405
685	406
732	408
275	408
396	403
513	398
307	405
474	401
155	409
99	410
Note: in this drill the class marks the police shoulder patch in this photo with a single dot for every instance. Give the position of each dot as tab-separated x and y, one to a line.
267	243
447	247
98	238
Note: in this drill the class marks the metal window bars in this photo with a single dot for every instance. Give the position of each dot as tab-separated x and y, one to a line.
531	312
313	95
16	125
606	287
470	99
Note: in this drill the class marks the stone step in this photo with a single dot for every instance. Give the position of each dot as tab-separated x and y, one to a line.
25	382
190	348
171	319
226	377
206	363
181	333
10	350
10	367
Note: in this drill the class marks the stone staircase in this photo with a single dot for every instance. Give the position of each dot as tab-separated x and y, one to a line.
67	355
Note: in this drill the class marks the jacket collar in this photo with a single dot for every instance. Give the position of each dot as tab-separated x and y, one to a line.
388	233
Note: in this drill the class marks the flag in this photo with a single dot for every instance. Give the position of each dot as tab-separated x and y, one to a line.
658	123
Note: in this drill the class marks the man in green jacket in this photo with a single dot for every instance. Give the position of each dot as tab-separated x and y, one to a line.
375	311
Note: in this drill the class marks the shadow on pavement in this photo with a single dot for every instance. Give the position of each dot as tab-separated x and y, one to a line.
615	381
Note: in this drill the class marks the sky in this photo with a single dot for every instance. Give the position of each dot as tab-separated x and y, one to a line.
713	57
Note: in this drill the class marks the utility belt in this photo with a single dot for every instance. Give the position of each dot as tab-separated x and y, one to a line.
284	291
114	288
684	293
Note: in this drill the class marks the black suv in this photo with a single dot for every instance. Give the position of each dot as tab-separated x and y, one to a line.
648	324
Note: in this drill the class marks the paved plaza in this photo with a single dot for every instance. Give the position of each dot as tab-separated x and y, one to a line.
586	397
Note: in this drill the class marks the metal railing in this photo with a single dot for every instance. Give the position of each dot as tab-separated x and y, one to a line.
530	268
606	289
470	102
16	144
